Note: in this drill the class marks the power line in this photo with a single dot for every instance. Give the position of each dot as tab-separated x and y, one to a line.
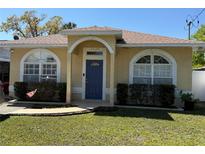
198	14
191	22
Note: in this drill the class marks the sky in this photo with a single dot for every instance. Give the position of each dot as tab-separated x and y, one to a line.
165	22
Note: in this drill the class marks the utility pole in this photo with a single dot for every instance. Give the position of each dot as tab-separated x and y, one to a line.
192	21
189	24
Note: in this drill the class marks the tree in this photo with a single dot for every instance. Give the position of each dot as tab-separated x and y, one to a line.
200	34
30	25
54	25
198	59
69	25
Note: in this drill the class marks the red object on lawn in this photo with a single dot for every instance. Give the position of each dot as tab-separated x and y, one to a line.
30	94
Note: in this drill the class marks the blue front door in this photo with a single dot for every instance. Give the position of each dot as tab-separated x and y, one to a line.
94	79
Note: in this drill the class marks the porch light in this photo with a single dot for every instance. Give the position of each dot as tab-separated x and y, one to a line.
12	50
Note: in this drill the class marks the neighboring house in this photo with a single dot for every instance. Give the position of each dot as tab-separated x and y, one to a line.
93	60
4	64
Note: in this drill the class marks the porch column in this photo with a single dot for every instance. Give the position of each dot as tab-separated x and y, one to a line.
112	78
69	75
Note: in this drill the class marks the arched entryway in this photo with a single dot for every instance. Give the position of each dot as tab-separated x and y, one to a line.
94	63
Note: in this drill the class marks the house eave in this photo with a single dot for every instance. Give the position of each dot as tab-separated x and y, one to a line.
193	45
117	33
34	45
4	60
162	45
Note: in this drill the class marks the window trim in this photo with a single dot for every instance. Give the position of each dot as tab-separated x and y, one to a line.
152	52
39	50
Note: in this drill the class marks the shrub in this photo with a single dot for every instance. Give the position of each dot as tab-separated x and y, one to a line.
166	94
137	92
157	95
189	101
122	93
186	96
20	90
46	91
62	91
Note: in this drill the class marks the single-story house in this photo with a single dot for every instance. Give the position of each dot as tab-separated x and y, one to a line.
93	60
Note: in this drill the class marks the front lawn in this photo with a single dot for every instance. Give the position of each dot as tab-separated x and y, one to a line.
122	127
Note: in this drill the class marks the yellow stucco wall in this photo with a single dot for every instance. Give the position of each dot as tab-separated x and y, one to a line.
183	57
110	39
18	54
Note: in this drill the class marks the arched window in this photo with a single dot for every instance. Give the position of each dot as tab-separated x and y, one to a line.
39	66
152	68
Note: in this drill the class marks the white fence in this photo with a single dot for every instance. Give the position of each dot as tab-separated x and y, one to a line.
198	84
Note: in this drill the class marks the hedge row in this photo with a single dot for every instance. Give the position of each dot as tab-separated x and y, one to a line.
134	94
141	94
46	91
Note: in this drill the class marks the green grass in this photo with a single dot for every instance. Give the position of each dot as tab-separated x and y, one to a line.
122	127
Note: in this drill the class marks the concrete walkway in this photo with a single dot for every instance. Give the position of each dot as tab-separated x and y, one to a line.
29	108
6	108
51	111
26	109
